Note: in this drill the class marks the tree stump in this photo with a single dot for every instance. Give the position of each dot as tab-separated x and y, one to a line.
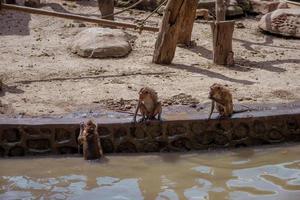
175	13
106	8
185	35
222	42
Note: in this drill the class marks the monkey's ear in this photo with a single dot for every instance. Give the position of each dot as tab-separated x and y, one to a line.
141	90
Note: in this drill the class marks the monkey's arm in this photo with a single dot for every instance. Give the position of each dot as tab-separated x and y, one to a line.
212	108
99	145
80	136
136	111
158	111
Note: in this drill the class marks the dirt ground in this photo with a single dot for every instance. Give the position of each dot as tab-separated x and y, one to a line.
42	76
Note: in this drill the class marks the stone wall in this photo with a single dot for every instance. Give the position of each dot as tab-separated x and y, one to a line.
20	137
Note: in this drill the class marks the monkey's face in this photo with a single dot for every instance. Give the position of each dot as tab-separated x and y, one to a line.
90	127
145	93
215	91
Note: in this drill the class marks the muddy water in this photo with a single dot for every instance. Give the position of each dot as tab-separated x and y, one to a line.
253	173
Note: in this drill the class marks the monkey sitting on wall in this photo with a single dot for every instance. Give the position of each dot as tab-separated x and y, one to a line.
148	105
90	141
221	96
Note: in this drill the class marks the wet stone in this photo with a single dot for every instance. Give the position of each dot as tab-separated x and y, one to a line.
16	151
221	139
11	135
46	131
67	150
32	132
258	129
103	131
107	145
2	152
274	136
183	144
138	133
206	137
240	132
151	147
155	131
126	147
176	129
62	135
120	133
39	144
292	125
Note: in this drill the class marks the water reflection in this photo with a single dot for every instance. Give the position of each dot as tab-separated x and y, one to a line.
272	173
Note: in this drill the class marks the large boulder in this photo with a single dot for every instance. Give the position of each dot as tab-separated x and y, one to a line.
263	6
285	22
101	43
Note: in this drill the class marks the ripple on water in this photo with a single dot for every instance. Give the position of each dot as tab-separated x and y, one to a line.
263	174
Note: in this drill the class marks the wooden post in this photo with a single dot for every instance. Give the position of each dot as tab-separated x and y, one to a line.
222	37
174	15
106	8
185	36
222	42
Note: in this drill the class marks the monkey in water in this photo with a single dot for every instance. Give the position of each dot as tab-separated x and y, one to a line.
90	141
221	96
148	105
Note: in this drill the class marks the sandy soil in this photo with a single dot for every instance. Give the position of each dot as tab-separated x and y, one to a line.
42	77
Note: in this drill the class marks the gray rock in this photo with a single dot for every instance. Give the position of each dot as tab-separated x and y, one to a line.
285	22
233	11
101	43
264	6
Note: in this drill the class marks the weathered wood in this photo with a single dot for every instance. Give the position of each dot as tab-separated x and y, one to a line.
76	17
174	15
222	42
185	35
106	8
220	10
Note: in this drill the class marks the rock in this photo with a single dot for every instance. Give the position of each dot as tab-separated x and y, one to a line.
233	11
101	43
32	3
244	4
264	6
239	25
285	22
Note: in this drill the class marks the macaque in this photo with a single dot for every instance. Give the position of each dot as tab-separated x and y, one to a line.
148	105
90	141
221	96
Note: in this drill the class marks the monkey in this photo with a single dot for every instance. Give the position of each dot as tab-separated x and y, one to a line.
148	105
222	97
90	141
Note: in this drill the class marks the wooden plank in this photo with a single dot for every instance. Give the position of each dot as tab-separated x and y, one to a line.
102	22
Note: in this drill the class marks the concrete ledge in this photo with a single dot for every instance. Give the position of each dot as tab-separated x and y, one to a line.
38	136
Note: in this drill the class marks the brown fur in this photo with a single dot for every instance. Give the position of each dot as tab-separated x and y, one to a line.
90	141
221	96
148	104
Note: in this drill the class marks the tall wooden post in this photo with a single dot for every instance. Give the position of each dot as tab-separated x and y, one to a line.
175	13
185	35
222	37
106	8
